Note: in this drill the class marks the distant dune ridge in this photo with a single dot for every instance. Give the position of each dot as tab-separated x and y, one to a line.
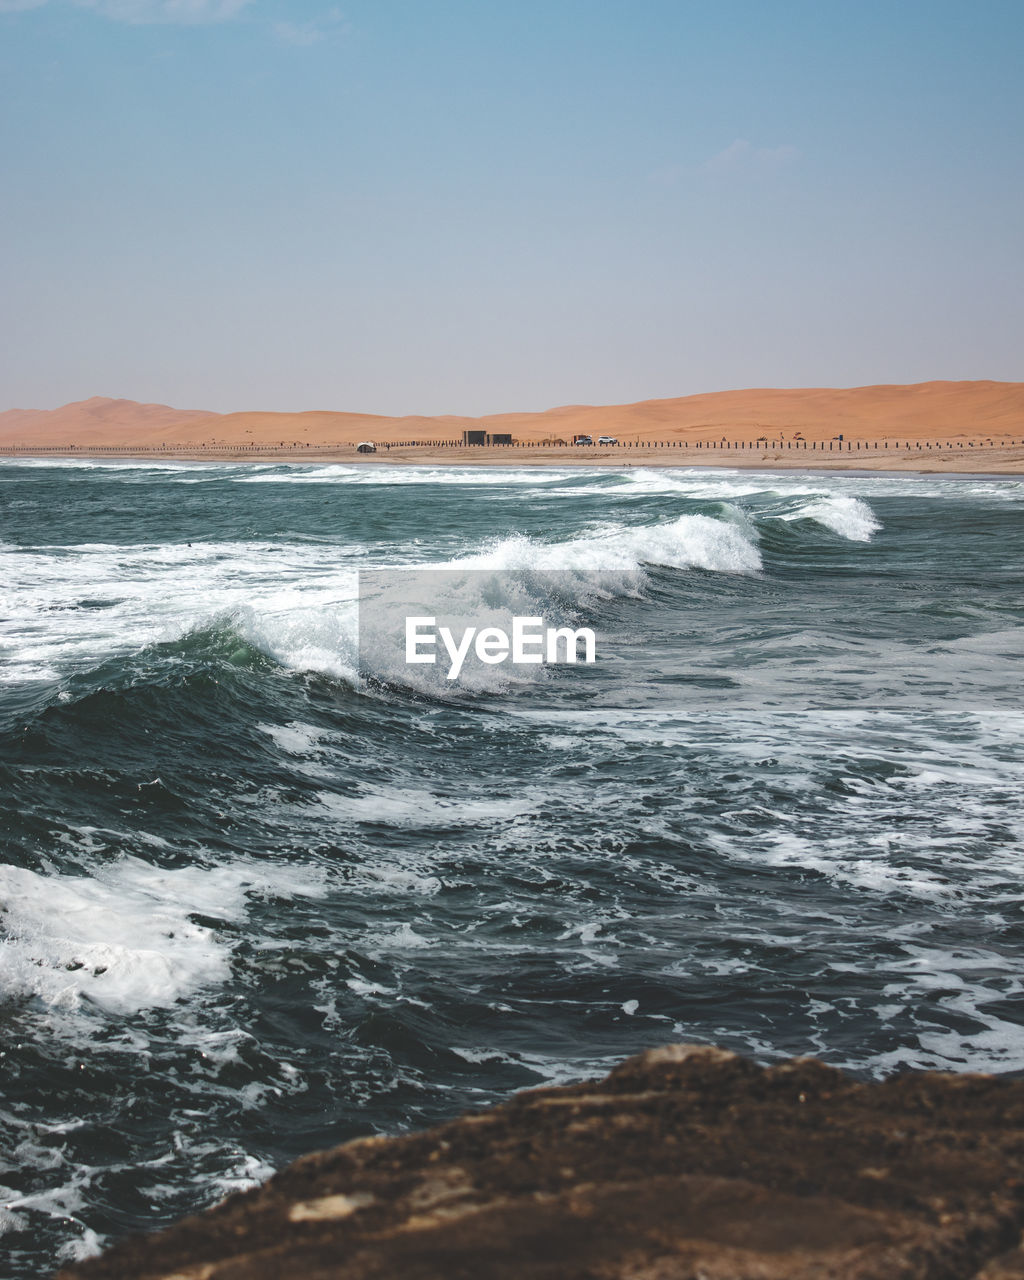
96	421
924	410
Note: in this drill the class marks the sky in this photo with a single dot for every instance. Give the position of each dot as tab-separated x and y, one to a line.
467	206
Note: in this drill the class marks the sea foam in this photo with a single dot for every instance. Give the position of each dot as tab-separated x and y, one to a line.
124	938
849	517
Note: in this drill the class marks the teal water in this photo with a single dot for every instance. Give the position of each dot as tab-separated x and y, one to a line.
256	899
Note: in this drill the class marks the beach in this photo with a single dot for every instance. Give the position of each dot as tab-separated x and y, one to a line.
511	623
974	427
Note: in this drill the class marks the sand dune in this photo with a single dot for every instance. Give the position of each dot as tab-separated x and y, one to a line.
921	411
97	421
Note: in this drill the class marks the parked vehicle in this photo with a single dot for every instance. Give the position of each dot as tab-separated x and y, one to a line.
607	440
583	439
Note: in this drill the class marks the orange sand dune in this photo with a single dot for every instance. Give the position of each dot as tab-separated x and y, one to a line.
921	411
918	411
97	421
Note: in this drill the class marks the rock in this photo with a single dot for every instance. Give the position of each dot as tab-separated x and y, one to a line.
685	1163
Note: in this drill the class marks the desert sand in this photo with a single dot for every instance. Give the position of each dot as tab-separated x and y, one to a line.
929	426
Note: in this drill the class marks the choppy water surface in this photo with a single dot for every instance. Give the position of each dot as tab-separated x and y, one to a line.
254	900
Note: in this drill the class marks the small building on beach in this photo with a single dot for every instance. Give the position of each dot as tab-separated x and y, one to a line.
487	437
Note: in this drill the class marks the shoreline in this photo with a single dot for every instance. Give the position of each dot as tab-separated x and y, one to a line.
989	461
948	427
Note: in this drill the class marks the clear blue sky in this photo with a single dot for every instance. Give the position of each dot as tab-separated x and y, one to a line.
463	206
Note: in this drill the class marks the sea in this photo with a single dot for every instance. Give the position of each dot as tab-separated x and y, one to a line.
260	893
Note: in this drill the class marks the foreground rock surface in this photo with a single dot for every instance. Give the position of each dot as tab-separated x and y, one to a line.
686	1163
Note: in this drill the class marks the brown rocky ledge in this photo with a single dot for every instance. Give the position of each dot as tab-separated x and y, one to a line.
685	1162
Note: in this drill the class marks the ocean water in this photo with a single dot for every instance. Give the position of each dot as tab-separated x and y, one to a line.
258	897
